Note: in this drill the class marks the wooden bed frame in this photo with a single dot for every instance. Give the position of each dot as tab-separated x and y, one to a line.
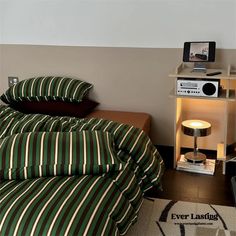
137	119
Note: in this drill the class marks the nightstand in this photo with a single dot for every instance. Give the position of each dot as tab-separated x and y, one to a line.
211	98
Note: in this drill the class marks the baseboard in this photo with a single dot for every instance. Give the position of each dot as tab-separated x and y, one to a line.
167	153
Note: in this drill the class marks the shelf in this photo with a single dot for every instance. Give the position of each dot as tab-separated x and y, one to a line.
232	96
222	115
186	72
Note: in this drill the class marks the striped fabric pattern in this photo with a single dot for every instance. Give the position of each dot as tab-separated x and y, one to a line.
85	205
105	204
47	88
131	143
38	154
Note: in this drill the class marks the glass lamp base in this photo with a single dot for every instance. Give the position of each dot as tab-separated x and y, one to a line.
197	157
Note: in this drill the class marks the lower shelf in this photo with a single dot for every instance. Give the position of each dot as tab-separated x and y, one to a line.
203	168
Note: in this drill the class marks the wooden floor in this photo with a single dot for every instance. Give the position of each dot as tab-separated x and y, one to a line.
185	186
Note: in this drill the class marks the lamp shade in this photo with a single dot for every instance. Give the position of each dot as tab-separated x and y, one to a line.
196	128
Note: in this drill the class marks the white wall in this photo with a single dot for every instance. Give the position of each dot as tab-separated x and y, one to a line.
115	23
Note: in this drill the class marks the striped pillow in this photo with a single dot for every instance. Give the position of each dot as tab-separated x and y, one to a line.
47	88
37	154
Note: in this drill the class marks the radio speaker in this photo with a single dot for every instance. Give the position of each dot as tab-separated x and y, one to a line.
200	88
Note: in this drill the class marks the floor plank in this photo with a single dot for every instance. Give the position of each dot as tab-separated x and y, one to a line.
185	186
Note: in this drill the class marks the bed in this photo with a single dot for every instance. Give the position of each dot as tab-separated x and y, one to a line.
64	175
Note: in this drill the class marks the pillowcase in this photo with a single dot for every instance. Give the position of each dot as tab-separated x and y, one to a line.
40	154
47	88
56	108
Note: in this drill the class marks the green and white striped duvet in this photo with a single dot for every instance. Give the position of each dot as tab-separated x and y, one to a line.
105	202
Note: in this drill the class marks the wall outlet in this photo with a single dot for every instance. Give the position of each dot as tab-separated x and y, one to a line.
12	80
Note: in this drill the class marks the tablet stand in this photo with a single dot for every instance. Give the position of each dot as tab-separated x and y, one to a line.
199	67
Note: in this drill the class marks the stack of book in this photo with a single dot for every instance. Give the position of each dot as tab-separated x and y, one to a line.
207	167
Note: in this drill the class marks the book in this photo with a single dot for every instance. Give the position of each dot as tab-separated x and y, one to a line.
208	167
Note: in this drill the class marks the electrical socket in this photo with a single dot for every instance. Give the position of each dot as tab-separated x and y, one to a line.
12	80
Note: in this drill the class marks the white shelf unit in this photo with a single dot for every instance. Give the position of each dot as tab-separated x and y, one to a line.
219	111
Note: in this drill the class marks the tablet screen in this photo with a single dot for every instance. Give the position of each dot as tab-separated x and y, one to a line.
199	51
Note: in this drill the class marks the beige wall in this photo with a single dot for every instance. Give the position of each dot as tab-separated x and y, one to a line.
129	79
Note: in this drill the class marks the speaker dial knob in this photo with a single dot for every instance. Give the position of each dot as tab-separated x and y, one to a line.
209	89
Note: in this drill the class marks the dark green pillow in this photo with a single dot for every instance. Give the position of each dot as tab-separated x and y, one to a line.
48	88
38	154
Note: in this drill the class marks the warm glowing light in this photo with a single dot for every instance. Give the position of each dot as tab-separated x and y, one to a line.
196	124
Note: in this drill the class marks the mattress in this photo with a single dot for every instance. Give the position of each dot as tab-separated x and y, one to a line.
137	119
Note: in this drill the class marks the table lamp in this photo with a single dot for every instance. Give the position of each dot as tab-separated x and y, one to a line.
196	128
